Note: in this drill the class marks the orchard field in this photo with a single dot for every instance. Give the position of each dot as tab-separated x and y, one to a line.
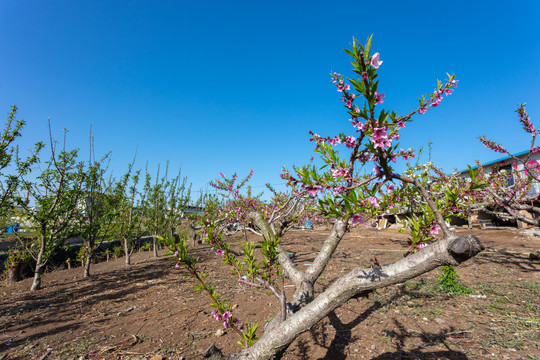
149	311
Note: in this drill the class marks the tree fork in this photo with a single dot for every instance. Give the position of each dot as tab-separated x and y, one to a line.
451	250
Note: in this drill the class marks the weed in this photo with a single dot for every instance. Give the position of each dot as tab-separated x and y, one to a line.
448	282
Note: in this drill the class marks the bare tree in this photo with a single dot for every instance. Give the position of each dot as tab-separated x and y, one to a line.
50	204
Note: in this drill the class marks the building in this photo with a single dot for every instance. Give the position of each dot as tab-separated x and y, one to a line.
515	170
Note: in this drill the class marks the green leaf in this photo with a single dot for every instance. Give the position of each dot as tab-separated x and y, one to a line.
368	46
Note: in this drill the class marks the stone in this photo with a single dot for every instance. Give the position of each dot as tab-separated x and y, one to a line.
439	321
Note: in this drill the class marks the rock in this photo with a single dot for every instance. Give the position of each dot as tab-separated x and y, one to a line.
156	357
534	255
212	353
220	332
533	232
439	321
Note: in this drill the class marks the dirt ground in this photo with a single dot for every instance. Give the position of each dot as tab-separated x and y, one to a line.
148	310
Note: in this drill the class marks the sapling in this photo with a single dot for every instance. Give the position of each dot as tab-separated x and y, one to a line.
50	203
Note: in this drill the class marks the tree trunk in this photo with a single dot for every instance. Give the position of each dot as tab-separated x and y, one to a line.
36	284
40	265
154	242
126	252
86	266
449	251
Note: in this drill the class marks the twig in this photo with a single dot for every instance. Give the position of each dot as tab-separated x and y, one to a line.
49	350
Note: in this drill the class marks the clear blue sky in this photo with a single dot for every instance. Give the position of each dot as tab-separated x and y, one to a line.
232	86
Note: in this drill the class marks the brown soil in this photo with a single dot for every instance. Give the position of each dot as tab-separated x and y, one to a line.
149	309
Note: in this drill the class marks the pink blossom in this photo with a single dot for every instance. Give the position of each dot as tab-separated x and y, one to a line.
380	138
373	201
357	219
313	190
226	315
348	104
389	188
364	75
339	172
401	124
422	110
338	190
347	87
434	229
220	252
380	132
350	142
358	124
216	315
336	140
176	254
340	88
375	62
177	265
490	144
436	101
379	97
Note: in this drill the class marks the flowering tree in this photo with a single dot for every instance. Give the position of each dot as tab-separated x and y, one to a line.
349	199
516	202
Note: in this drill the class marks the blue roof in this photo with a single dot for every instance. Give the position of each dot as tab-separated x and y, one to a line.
498	160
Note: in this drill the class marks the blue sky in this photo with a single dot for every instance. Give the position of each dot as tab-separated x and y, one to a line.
231	86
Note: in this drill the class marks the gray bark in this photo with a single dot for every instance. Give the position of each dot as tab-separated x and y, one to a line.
154	243
86	265
36	284
127	253
40	264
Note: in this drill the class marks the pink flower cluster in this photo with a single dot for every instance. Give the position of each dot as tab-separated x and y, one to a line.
339	172
380	138
526	121
436	98
490	144
224	318
347	97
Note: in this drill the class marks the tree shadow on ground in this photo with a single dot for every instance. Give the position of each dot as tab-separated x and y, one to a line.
343	336
503	257
62	309
400	334
336	350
